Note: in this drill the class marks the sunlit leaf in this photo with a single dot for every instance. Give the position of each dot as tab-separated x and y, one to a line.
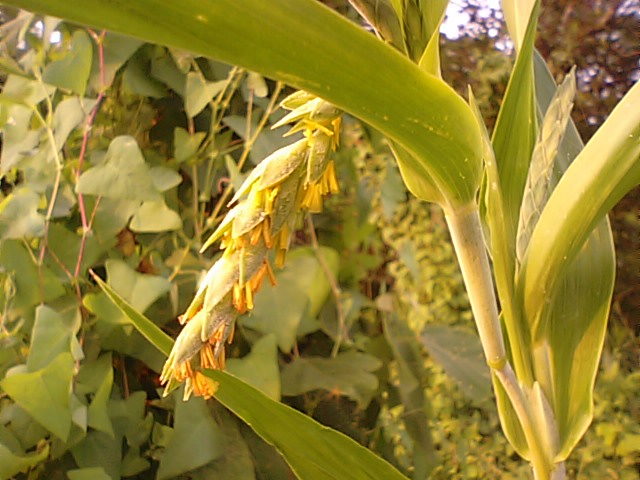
260	367
53	334
71	72
11	463
426	117
155	216
19	216
122	174
44	394
199	92
312	450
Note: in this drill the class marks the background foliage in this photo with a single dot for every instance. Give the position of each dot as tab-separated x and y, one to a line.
119	157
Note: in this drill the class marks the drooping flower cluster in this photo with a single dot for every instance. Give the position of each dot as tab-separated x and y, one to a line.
263	218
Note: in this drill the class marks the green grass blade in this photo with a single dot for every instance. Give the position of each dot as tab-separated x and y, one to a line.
606	169
312	450
307	45
515	133
569	332
516	16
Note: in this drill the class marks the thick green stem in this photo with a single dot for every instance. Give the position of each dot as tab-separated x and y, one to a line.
466	234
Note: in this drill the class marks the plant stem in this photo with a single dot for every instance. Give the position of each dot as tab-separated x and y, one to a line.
468	242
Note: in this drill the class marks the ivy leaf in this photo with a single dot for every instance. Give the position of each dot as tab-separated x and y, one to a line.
19	217
301	291
348	374
260	367
72	71
199	93
155	216
122	174
52	335
11	464
45	394
186	145
196	440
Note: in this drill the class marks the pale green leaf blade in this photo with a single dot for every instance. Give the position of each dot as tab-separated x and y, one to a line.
45	394
260	367
381	15
514	135
11	464
19	216
122	174
606	169
199	92
52	335
155	216
312	450
426	116
72	71
516	16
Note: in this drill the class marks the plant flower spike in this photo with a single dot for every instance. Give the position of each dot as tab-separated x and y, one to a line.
292	179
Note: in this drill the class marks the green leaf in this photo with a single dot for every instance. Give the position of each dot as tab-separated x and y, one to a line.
71	72
426	116
18	262
605	170
99	450
199	93
569	328
137	79
122	174
45	394
155	216
102	373
514	136
312	450
459	353
146	327
411	372
91	473
300	292
68	115
19	217
260	367
164	178
236	462
117	49
349	374
53	333
11	464
196	440
186	145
